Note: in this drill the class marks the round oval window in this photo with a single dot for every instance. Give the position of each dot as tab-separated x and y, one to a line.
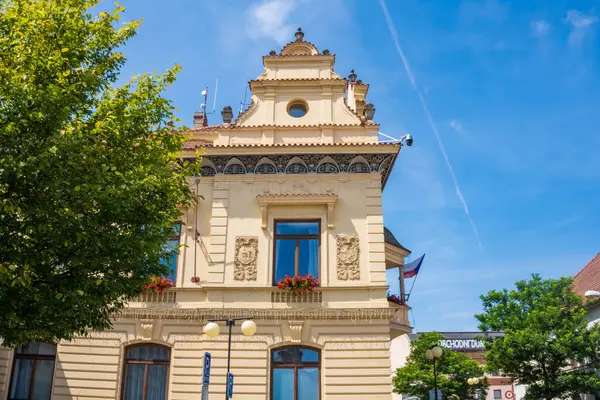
297	109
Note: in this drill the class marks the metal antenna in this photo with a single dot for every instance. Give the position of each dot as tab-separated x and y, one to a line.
205	94
215	100
243	103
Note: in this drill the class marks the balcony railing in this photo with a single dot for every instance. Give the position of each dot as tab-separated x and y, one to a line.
169	296
280	296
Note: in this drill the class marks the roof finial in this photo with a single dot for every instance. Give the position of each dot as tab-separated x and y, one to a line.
352	76
299	35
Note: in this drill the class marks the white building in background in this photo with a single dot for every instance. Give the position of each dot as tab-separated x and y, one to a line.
586	283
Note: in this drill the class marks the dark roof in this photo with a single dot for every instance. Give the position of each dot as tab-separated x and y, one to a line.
391	239
588	278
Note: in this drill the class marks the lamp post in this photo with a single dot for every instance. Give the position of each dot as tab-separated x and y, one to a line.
474	381
434	353
212	330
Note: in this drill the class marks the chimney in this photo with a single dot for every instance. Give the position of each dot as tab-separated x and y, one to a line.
227	115
200	120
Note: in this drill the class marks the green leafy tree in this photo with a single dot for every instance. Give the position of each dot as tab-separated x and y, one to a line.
453	372
89	173
545	333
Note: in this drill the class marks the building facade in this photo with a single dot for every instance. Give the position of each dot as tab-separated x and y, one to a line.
586	283
464	342
293	186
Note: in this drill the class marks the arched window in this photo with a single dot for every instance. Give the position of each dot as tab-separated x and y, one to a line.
32	373
146	372
295	374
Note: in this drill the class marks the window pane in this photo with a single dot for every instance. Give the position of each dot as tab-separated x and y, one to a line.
157	382
295	355
497	394
44	349
308	383
283	384
285	258
171	261
148	353
176	230
297	228
310	355
309	257
42	381
20	379
134	381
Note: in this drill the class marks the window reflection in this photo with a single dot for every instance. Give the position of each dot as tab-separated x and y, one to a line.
33	371
296	249
296	374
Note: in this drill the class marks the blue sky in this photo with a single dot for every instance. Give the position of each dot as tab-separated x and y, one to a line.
512	90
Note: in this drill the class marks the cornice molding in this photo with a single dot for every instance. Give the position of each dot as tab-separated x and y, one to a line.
354	314
266	200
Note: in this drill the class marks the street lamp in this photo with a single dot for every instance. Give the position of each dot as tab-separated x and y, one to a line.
212	330
475	381
434	353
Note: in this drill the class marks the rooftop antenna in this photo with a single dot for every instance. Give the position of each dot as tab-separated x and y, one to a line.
205	95
243	104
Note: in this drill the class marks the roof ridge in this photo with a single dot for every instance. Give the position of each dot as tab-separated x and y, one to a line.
586	265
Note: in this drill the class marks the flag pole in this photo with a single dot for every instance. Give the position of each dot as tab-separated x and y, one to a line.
401	281
411	287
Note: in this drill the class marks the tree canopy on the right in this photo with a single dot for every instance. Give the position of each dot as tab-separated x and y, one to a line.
548	345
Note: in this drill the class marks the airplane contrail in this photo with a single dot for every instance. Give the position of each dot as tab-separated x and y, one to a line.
413	82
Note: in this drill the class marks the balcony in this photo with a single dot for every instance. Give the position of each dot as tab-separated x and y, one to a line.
166	297
279	296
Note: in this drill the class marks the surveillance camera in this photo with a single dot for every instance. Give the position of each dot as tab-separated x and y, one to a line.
408	139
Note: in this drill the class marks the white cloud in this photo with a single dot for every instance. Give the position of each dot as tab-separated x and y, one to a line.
457	126
269	19
580	25
540	28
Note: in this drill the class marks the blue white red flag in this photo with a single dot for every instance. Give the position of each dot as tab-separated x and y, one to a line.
412	268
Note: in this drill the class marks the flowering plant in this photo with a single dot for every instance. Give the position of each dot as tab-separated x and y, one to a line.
394	298
298	284
158	284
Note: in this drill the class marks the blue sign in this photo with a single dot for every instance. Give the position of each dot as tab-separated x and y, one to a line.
229	385
432	395
206	369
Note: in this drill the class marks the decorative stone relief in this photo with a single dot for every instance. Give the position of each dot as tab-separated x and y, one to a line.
246	254
296	331
348	255
146	330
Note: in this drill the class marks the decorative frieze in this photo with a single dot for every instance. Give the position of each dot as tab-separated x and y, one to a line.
348	257
297	164
321	313
246	255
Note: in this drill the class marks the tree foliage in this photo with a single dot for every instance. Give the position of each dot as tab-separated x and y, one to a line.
89	178
453	371
545	332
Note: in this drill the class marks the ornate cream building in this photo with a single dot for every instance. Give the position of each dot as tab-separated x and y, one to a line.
292	186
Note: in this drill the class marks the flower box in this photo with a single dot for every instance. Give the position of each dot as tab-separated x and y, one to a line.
393	298
298	284
158	284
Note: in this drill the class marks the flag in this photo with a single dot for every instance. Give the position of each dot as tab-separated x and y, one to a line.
412	268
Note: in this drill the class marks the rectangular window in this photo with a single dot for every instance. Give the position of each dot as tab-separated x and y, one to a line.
32	372
295	374
172	247
497	394
296	248
146	372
